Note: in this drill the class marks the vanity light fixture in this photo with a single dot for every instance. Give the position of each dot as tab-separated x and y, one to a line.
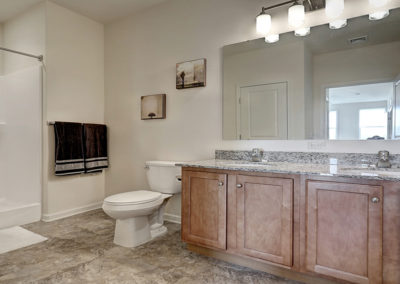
381	13
271	38
333	10
296	15
302	31
263	21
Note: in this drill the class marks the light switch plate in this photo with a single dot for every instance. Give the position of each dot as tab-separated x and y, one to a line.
316	145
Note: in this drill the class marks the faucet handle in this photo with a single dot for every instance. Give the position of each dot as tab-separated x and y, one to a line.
257	154
383	155
257	151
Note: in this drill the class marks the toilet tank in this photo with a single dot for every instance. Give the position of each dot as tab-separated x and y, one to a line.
163	176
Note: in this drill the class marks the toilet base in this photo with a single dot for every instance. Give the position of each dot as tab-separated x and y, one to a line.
132	232
136	231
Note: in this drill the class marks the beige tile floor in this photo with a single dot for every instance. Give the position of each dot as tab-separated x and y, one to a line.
80	249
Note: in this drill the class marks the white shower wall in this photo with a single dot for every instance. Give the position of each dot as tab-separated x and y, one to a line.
20	147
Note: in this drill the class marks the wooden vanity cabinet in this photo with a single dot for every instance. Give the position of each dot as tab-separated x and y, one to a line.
309	228
344	231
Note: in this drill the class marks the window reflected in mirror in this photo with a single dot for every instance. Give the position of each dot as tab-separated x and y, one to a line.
360	112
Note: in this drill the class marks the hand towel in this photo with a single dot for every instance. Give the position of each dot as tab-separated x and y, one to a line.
95	147
69	152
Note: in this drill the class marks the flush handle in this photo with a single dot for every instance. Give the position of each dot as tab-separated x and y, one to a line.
375	200
221	183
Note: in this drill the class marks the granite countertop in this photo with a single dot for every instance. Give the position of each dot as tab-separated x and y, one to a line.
338	170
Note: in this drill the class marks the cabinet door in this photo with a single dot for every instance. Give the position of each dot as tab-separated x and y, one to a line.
265	218
344	231
204	209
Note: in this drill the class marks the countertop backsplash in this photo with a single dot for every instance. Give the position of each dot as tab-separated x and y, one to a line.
307	157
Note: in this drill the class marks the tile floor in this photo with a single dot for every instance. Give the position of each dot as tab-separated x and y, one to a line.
80	249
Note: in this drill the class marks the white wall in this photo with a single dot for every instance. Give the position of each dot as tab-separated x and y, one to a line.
26	33
74	92
372	64
141	53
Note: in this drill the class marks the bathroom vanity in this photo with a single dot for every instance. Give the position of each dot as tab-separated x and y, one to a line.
313	222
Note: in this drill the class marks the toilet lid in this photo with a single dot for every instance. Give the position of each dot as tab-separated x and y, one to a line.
133	197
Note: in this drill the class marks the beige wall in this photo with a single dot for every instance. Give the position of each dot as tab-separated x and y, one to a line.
74	92
141	53
25	32
1	53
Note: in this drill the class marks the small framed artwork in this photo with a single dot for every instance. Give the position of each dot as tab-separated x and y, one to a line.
153	107
191	74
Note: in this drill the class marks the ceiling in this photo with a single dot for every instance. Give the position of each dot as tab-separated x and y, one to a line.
103	11
361	93
10	8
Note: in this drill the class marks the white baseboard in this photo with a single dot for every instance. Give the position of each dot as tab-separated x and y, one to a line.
71	212
19	216
172	218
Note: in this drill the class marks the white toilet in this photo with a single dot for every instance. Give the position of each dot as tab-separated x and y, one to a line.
139	214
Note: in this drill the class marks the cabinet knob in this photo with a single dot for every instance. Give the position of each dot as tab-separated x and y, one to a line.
375	200
221	183
239	185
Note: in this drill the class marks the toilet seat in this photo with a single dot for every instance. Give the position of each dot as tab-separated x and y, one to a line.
133	197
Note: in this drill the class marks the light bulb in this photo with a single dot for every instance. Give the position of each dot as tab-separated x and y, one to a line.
296	15
272	38
302	31
334	8
337	24
263	23
378	15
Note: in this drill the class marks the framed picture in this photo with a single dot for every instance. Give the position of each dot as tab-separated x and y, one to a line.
153	107
191	74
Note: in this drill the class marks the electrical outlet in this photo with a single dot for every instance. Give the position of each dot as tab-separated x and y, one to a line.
316	145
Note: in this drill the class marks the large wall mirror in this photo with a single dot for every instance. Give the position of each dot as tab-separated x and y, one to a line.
332	84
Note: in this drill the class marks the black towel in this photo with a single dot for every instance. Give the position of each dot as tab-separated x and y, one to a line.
95	147
69	152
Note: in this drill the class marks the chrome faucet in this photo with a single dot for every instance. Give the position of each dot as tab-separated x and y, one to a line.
383	160
257	155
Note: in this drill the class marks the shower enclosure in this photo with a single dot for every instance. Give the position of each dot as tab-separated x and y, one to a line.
20	146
